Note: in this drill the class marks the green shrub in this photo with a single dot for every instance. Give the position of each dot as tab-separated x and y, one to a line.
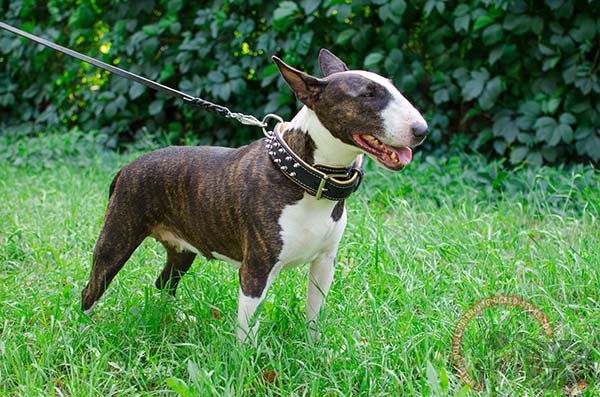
508	78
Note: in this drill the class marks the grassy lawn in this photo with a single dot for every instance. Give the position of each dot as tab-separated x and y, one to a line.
422	246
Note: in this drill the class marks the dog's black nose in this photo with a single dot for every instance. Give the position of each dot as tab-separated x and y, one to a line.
419	130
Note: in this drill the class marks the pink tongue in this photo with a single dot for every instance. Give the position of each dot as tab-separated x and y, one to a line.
404	155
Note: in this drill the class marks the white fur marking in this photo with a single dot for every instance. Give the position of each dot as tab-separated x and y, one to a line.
222	257
89	311
166	236
320	278
308	231
399	116
329	149
246	309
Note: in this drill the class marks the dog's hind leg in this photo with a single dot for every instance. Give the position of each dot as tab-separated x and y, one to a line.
121	234
177	265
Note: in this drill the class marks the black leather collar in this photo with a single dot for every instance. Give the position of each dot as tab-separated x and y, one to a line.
321	181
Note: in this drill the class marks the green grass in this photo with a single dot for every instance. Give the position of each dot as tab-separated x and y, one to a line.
421	247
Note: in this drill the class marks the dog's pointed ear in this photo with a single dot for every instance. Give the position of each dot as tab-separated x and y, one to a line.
306	87
329	63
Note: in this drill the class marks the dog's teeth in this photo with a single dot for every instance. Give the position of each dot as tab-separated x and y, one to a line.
288	158
394	157
292	174
374	141
296	165
284	168
281	150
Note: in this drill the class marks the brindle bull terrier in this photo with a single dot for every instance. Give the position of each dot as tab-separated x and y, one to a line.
274	204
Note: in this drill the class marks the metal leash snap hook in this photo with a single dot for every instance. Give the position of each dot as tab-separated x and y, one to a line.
265	123
247	119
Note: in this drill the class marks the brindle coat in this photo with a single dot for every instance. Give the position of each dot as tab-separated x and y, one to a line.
230	203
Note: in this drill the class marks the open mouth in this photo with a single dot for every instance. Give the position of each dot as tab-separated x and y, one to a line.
390	157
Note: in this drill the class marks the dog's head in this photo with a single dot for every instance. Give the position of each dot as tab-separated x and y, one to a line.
360	108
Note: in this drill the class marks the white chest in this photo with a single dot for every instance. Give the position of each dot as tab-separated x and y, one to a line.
308	231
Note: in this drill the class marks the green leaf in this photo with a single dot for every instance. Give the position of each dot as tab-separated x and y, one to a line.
592	144
175	28
461	23
549	153
111	109
178	386
136	90
304	44
473	88
555	4
310	6
492	34
461	9
444	380
567	118
385	13
166	73
517	24
173	6
373	59
150	46
500	146
344	36
534	159
530	108
441	96
398	7
584	84
551	105
216	77
156	107
285	14
393	61
545	50
235	72
550	63
185	86
433	380
495	54
505	127
483	21
490	94
545	127
585	29
518	154
151	30
565	133
429	6
270	70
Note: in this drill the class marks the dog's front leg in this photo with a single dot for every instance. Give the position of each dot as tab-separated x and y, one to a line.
247	306
320	277
254	283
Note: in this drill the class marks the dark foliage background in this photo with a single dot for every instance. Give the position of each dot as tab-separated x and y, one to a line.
517	79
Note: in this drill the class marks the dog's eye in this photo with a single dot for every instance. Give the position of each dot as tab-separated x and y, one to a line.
368	94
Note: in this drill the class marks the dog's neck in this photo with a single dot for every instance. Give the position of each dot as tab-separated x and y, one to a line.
310	140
